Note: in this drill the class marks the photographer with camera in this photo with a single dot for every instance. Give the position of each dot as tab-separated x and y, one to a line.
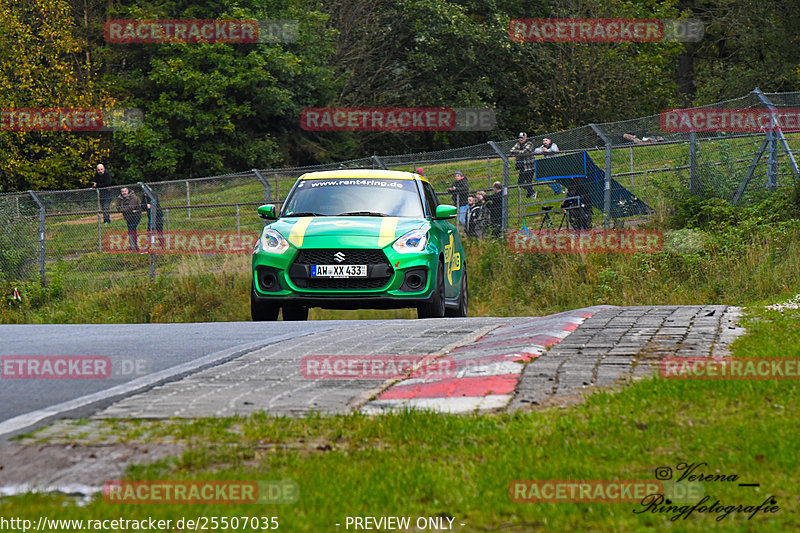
579	210
523	150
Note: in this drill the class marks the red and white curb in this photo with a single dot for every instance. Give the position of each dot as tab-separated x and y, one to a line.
487	371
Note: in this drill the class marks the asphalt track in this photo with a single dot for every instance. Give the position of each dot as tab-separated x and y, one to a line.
141	356
222	369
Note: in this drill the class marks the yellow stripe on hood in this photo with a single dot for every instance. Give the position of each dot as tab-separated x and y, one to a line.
299	231
388	228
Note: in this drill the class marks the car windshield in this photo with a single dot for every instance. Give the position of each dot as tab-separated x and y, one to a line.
354	197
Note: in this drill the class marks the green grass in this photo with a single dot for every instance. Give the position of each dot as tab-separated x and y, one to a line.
423	464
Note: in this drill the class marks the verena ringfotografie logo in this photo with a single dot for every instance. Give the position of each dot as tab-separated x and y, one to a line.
730	368
69	367
604	30
76	119
711	119
376	366
397	119
585	241
126	31
201	492
180	242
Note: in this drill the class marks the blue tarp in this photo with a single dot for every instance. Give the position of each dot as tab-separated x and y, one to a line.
583	177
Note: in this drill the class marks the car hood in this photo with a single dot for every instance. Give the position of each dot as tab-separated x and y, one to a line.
360	230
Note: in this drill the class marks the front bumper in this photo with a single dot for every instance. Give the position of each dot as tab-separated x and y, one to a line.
395	281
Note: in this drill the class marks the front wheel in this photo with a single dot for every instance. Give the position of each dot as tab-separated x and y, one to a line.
262	311
463	299
435	307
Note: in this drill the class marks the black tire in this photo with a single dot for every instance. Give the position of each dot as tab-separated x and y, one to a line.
295	313
262	311
435	307
463	298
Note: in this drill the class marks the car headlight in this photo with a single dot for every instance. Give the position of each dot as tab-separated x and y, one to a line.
413	241
273	242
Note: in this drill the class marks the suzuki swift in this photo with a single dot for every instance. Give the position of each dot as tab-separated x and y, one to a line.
350	239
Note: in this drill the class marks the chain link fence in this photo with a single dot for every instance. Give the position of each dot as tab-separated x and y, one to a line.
633	168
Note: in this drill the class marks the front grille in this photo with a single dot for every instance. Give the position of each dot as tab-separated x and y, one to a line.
352	257
379	270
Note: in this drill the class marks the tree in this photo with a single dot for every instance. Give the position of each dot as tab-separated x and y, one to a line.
40	68
212	108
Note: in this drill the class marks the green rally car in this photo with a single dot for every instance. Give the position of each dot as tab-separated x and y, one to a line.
352	239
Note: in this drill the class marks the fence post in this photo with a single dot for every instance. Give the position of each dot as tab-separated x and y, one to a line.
772	160
505	183
766	101
238	226
693	163
607	191
41	237
631	150
99	232
188	202
151	226
379	162
264	182
99	223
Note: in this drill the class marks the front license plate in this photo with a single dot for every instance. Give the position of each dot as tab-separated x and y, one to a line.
338	271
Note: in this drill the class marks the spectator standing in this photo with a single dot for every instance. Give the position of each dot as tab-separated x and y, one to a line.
460	191
128	205
420	171
549	149
102	182
494	204
524	150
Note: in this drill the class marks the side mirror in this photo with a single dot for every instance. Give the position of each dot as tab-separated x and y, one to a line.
446	211
267	212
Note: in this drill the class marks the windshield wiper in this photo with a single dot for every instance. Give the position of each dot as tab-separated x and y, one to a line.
305	214
362	214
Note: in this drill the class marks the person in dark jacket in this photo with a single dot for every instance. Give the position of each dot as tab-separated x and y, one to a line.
128	205
524	150
460	191
102	182
494	203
